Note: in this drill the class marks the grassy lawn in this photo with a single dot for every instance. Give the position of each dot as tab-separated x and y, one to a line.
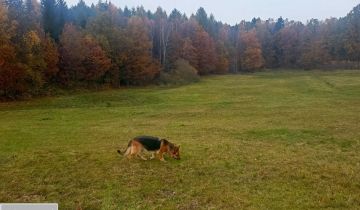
271	140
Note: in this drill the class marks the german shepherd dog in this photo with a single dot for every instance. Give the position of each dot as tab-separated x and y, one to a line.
157	146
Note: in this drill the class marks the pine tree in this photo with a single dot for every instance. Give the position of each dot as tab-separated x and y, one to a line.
80	14
202	18
280	24
49	19
61	16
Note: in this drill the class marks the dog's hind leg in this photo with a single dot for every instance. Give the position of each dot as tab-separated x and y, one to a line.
153	154
128	153
136	150
141	156
133	151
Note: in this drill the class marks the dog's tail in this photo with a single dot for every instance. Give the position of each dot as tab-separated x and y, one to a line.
127	151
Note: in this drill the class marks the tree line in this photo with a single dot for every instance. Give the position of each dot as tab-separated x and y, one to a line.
46	45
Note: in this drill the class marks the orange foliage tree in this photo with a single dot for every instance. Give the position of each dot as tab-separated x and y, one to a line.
82	58
12	74
205	51
188	52
222	61
251	54
137	65
51	57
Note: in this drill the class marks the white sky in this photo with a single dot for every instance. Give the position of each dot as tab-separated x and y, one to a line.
233	11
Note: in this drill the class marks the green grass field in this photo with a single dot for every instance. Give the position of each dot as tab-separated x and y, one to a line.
271	140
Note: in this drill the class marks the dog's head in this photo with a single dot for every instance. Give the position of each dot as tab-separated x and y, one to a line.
175	152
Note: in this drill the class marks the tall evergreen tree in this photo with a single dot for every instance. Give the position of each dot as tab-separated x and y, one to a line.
49	19
80	14
202	18
61	16
280	24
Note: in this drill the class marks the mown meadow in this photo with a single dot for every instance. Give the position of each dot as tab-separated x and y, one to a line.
268	140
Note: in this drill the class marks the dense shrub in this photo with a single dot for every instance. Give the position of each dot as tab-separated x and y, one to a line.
182	73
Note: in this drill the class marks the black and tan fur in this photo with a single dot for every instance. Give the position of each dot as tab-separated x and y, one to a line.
157	146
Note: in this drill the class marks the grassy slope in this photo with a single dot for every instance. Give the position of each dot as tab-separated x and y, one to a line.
269	140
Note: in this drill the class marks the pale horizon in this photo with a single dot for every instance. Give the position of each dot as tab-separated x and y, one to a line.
232	11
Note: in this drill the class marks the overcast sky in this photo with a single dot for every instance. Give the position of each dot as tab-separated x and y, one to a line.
233	11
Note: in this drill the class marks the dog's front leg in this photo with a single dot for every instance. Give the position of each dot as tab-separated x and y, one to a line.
161	156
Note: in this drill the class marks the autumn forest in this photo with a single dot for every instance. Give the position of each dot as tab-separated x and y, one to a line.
47	45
